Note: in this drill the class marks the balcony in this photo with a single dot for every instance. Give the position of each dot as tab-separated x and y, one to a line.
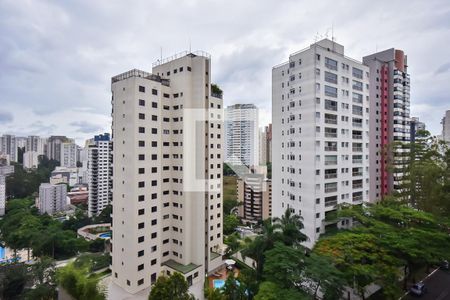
330	175
357	136
357	149
330	148
357	174
330	121
357	186
331	189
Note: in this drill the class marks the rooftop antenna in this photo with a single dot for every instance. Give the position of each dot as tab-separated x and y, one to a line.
161	53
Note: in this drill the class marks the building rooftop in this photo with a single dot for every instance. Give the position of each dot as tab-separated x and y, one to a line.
180	267
180	55
140	73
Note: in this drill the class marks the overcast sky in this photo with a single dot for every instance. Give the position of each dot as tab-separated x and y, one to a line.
57	57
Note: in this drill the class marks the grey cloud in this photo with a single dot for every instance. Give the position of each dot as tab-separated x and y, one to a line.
443	68
86	127
5	117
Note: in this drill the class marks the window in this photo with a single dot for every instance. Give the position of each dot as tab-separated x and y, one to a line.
140	267
141	89
141	253
141	198
330	63
330	77
141	211
357	85
330	91
141	281
141	157
154	105
140	239
141	102
141	184
331	105
141	129
357	73
141	225
141	143
154	92
154	131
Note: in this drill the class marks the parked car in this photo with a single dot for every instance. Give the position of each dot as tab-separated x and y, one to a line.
418	289
444	265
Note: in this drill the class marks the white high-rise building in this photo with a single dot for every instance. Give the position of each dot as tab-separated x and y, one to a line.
30	160
8	146
167	162
5	170
99	174
52	198
262	147
320	115
36	144
242	135
446	127
68	155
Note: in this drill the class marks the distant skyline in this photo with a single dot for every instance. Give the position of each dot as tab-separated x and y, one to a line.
57	58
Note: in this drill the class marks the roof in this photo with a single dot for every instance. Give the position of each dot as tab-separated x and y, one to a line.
180	267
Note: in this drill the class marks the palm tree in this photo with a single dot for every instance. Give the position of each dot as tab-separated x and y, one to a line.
290	225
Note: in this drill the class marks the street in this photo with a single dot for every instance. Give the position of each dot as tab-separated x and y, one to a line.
438	286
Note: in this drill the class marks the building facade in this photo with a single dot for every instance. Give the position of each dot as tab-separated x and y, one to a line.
30	160
415	126
8	146
320	115
68	155
254	191
242	135
53	149
99	174
390	120
167	162
446	127
262	147
52	198
5	170
268	130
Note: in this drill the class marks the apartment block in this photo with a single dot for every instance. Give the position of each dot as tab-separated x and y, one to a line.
415	126
254	191
242	135
268	131
8	146
52	198
30	159
36	144
446	127
320	115
53	149
167	161
390	120
99	168
262	147
68	155
5	170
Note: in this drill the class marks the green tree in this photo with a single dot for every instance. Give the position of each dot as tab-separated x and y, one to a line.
233	289
173	287
230	222
233	243
79	283
44	279
13	282
291	226
271	291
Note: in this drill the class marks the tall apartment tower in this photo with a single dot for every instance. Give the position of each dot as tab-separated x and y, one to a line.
268	130
99	169
262	147
390	120
53	149
5	170
68	155
167	153
320	115
446	127
8	146
242	135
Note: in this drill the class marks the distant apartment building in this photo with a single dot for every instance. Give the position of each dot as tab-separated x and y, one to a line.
21	142
30	160
390	120
262	147
68	155
167	162
241	135
446	127
5	170
320	115
8	146
415	126
268	131
52	198
36	144
99	174
65	175
254	192
53	149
